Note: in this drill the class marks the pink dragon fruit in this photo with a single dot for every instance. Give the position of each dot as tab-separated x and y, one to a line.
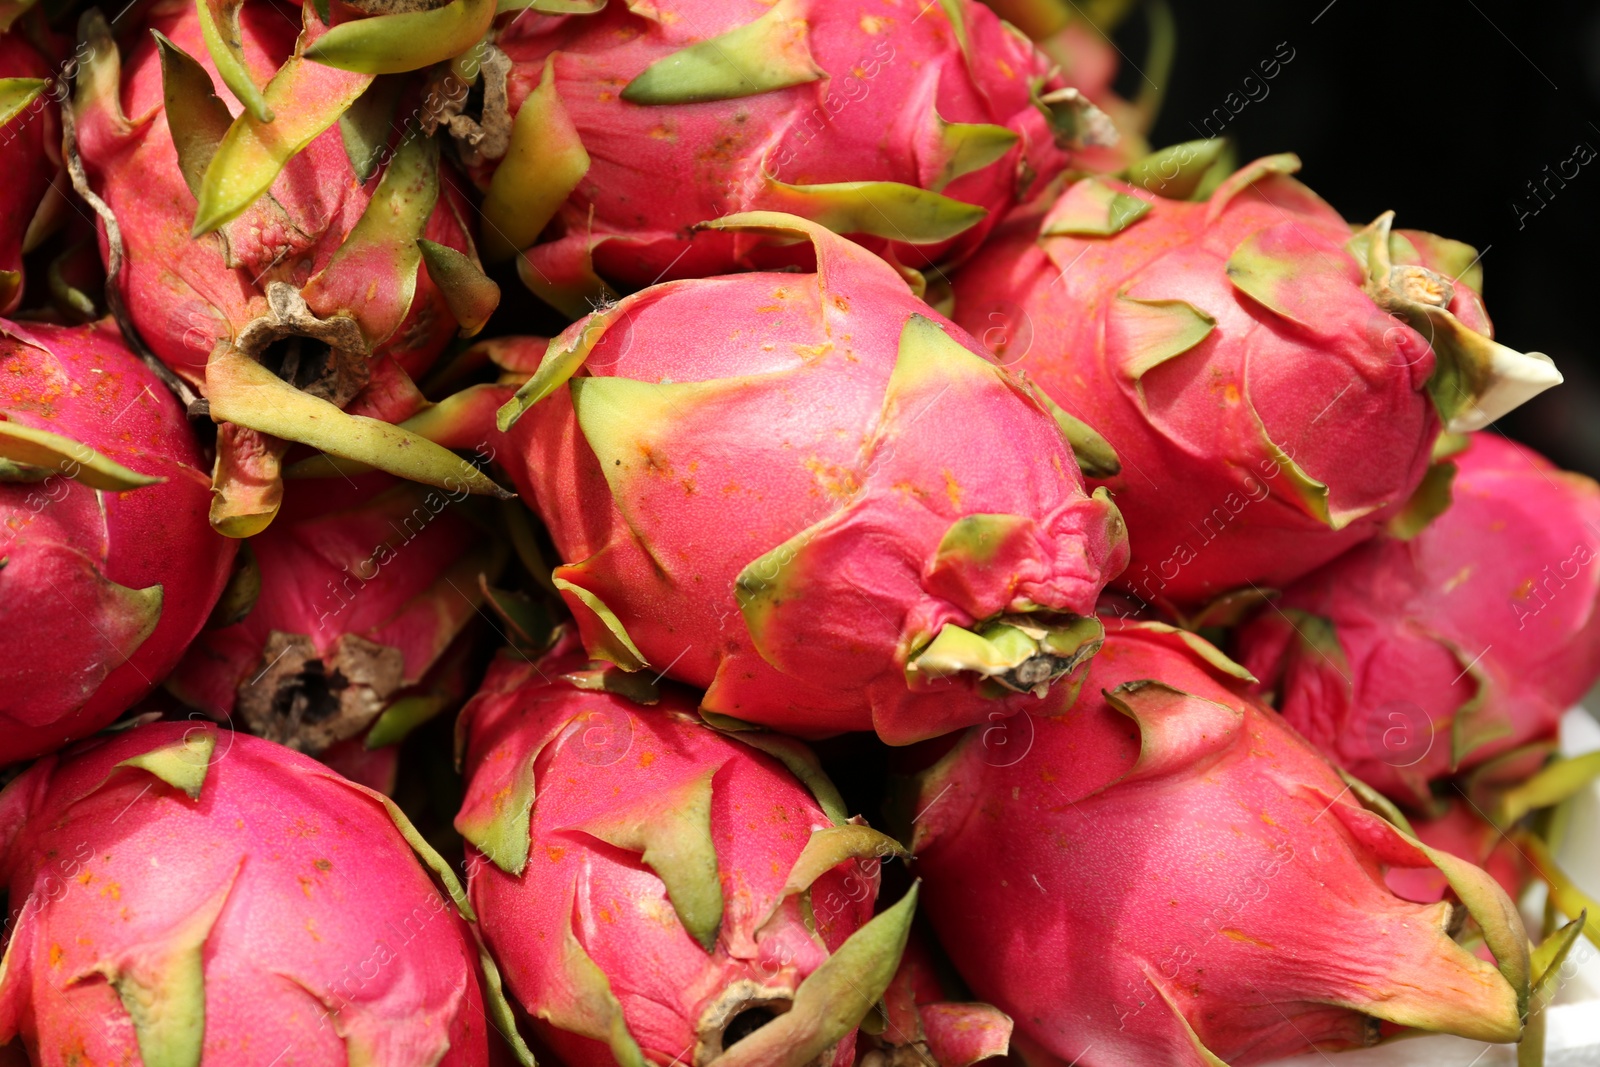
914	129
923	1026
301	315
29	143
656	891
1408	660
1263	375
107	565
186	896
806	494
363	586
1169	875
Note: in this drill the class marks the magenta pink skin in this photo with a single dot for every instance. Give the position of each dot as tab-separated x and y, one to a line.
733	479
1509	571
27	147
1208	508
326	908
182	296
1228	875
595	753
341	558
67	669
656	170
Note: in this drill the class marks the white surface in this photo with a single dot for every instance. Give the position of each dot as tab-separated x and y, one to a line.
1573	1028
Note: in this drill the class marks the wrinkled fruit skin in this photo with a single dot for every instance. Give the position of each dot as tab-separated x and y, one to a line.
889	84
29	147
1183	873
894	485
101	590
281	914
186	294
1211	421
356	609
587	935
1376	657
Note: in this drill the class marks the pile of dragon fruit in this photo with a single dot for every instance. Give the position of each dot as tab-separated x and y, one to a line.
952	580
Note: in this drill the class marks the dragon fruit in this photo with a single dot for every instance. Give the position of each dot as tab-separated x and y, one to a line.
923	1026
1170	875
1265	378
806	494
107	565
363	586
29	133
300	315
1408	660
914	129
656	891
182	895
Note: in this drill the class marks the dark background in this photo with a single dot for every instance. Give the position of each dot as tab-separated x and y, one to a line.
1443	112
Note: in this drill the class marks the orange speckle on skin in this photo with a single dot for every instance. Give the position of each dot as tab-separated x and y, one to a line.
85	878
323	865
1521	592
55	955
1230	393
836	481
646	758
654	460
311	928
111	891
952	489
554	852
1005	69
1241	936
